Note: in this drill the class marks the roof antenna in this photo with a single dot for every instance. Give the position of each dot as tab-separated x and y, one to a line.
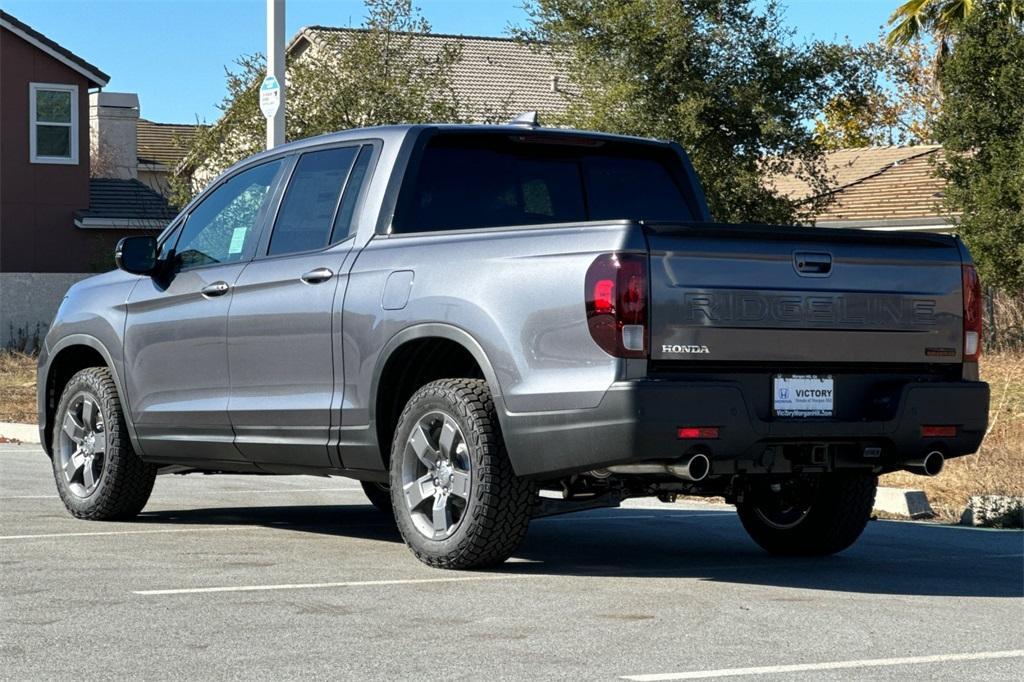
527	118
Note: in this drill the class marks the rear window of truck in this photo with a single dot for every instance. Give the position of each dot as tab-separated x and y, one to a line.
475	181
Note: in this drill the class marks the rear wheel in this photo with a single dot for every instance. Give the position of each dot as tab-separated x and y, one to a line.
457	501
808	515
379	495
97	472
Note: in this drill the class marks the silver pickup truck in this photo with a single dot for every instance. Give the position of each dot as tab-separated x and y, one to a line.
485	324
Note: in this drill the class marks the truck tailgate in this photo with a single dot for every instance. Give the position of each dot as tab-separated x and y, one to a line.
731	293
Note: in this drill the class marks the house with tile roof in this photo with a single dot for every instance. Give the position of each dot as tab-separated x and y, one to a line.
69	175
880	188
494	74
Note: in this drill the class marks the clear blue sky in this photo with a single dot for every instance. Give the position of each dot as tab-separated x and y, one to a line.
173	52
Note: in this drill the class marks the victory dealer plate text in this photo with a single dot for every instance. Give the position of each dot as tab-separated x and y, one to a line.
802	395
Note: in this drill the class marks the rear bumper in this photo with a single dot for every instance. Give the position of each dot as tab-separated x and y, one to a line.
638	420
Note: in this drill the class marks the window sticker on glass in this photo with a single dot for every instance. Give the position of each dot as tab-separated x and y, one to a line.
237	240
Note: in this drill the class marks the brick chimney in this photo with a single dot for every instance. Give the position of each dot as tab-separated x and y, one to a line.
113	128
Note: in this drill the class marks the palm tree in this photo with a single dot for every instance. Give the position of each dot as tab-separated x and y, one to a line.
941	18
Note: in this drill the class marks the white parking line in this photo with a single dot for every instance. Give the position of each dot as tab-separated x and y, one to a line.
29	497
351	583
119	532
834	665
208	492
290	490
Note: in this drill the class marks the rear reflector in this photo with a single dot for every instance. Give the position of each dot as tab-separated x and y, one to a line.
938	431
698	432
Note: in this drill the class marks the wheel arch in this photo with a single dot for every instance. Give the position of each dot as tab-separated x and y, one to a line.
452	348
69	356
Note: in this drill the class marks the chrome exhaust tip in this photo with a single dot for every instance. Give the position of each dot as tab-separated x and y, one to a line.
696	469
929	465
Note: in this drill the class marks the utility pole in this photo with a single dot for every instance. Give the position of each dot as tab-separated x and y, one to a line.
273	91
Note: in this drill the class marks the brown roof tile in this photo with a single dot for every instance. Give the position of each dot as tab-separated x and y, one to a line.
846	166
908	188
164	143
876	183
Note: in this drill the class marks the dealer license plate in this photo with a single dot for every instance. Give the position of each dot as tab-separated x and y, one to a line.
802	395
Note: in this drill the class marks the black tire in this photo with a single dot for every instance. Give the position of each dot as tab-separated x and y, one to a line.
824	514
379	495
498	504
124	482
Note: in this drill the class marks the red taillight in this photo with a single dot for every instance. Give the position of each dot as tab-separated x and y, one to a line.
972	314
616	298
698	432
938	432
604	296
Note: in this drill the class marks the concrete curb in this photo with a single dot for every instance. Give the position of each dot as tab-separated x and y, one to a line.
26	433
903	502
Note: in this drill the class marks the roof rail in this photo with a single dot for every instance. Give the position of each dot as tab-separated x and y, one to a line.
527	118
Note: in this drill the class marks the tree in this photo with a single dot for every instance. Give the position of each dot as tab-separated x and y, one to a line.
981	127
721	77
373	76
943	19
898	107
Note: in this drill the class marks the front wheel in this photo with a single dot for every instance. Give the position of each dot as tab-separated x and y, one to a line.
97	472
457	501
808	515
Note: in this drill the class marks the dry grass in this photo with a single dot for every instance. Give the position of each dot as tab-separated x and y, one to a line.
17	387
998	468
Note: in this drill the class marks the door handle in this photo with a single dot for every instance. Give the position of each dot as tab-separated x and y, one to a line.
812	264
216	289
317	276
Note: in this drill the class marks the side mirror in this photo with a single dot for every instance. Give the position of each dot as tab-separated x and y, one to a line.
136	255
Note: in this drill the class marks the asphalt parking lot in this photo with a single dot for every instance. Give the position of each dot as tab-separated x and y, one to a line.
274	578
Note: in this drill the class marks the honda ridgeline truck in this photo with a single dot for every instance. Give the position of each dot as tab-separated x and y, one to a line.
485	324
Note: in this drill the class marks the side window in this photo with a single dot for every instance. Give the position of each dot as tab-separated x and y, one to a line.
223	228
343	223
306	217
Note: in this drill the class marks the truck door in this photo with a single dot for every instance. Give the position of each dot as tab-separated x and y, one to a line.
280	349
175	342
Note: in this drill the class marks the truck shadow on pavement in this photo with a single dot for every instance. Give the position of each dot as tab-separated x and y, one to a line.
891	557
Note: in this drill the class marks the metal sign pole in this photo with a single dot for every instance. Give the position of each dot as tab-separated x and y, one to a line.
272	91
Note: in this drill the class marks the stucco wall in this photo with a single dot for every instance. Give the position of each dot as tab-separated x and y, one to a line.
156	180
29	300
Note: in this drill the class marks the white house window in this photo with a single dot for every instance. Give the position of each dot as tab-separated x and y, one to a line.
53	123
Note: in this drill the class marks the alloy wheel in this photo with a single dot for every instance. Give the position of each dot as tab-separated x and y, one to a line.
83	445
436	477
